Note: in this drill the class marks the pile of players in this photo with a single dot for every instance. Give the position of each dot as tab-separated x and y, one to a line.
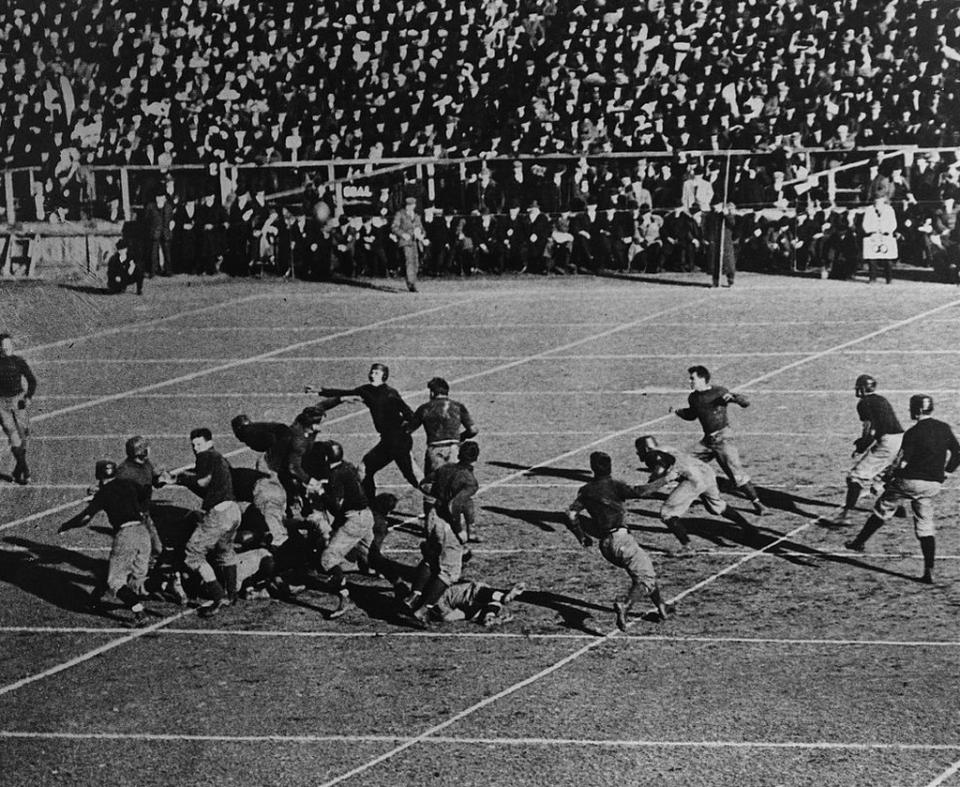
312	517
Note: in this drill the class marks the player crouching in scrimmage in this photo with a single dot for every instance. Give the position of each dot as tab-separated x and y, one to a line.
452	487
917	477
695	479
122	501
345	504
212	480
603	500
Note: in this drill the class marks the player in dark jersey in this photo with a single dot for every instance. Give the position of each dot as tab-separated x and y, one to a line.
15	405
708	405
452	486
122	500
344	501
138	468
603	499
875	449
447	423
929	453
391	415
212	480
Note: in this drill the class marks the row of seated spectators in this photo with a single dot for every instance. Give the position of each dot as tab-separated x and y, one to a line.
255	235
129	82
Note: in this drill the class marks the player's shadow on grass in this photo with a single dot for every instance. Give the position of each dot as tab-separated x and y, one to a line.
54	574
541	519
365	285
574	612
650	278
777	499
571	474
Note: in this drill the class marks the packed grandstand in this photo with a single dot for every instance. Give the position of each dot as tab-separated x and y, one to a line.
606	99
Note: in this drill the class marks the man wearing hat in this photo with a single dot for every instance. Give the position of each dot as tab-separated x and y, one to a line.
411	238
158	225
123	270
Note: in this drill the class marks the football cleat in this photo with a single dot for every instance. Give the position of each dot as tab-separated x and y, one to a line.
853	545
621	609
514	592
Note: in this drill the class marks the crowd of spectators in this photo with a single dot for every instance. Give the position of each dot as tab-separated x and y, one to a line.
201	80
205	82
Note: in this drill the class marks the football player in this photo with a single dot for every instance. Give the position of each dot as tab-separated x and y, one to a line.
345	503
929	453
695	479
212	480
603	499
447	423
452	486
391	415
875	449
476	601
15	404
708	404
138	468
122	500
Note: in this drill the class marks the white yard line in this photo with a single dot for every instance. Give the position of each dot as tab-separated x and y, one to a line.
356	413
552	550
482	741
92	654
136	326
133	392
87	400
548	433
948	774
476	632
461	358
364	767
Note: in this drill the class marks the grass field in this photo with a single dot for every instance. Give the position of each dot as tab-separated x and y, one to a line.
789	662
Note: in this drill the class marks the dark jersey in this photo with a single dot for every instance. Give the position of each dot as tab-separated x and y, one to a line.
389	412
343	491
709	407
441	419
878	411
120	499
141	474
286	456
262	436
603	499
451	486
211	463
924	451
13	371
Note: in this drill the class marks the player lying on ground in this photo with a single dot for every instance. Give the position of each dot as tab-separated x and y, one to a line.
603	499
122	501
476	601
929	453
695	479
875	449
708	404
